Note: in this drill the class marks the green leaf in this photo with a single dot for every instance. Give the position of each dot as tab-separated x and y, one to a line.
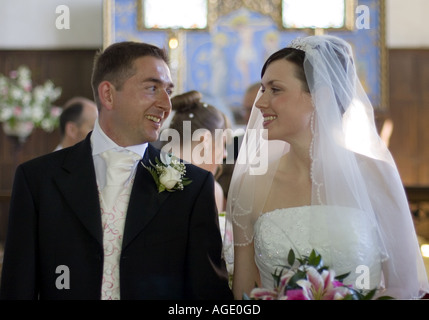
297	276
276	276
186	181
369	295
291	257
348	297
356	294
153	173
161	188
314	259
159	162
385	298
341	277
322	268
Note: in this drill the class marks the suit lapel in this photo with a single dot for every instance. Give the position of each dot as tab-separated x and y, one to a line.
145	200
79	187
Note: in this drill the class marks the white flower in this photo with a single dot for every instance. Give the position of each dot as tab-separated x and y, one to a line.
39	94
26	98
38	113
20	102
5	114
168	174
170	177
16	94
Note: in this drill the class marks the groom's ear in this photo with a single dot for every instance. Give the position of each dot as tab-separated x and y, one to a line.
106	92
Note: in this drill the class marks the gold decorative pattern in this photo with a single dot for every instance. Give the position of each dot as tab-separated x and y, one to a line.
219	8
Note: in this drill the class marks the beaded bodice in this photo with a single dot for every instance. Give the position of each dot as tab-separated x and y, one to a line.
344	240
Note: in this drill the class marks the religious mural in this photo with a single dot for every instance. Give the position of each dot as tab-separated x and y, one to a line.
224	59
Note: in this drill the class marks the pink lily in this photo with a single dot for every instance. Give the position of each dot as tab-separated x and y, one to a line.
296	294
263	294
322	286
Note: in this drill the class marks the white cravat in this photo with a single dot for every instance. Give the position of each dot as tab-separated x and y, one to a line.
120	167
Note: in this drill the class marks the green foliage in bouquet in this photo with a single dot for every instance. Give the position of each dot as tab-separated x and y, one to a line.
307	278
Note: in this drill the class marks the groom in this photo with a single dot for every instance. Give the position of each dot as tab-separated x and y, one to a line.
77	231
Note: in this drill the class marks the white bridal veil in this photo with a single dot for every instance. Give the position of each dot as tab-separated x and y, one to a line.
351	167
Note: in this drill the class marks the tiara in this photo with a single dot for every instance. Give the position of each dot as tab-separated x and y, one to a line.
300	44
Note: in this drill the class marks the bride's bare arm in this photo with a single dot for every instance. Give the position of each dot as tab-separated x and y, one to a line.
246	274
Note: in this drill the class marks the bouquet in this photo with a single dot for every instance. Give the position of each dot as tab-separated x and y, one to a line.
307	278
20	103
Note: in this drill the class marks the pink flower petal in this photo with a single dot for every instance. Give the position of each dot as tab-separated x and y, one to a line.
296	294
337	283
315	279
263	294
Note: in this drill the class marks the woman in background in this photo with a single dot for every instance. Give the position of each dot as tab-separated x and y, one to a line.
198	136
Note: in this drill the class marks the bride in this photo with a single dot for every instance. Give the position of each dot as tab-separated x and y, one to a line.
314	174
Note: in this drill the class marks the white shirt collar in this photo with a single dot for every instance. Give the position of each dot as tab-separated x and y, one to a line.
100	142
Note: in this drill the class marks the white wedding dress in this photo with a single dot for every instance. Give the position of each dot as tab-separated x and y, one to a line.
345	242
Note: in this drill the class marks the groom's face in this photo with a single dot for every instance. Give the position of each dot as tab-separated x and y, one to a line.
142	103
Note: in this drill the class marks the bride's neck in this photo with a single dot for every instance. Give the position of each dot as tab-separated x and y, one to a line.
297	158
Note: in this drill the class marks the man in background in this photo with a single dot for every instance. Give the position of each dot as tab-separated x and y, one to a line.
76	121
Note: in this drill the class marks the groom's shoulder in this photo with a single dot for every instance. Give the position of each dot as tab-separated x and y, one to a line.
51	160
193	170
45	160
200	178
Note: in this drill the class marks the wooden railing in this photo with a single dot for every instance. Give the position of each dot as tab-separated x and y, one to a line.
5	196
416	194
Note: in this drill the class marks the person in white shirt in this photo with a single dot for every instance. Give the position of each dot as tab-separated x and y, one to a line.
91	222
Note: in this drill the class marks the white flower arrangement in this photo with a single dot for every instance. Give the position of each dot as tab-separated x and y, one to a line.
168	174
21	103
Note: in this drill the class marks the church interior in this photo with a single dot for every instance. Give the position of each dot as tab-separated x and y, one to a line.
222	40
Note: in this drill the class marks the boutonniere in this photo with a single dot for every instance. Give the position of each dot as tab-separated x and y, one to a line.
168	174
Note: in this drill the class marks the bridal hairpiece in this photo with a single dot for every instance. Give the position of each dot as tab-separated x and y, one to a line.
300	44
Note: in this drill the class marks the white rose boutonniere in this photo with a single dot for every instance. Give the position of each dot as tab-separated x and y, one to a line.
169	174
169	177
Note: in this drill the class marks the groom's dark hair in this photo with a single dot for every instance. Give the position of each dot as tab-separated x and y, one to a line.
116	63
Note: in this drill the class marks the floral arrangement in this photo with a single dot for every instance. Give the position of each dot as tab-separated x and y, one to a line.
168	174
307	278
20	103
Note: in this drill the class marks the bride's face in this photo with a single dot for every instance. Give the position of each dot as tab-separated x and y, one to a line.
285	106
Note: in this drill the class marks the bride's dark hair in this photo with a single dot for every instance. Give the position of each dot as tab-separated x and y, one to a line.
295	56
345	60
